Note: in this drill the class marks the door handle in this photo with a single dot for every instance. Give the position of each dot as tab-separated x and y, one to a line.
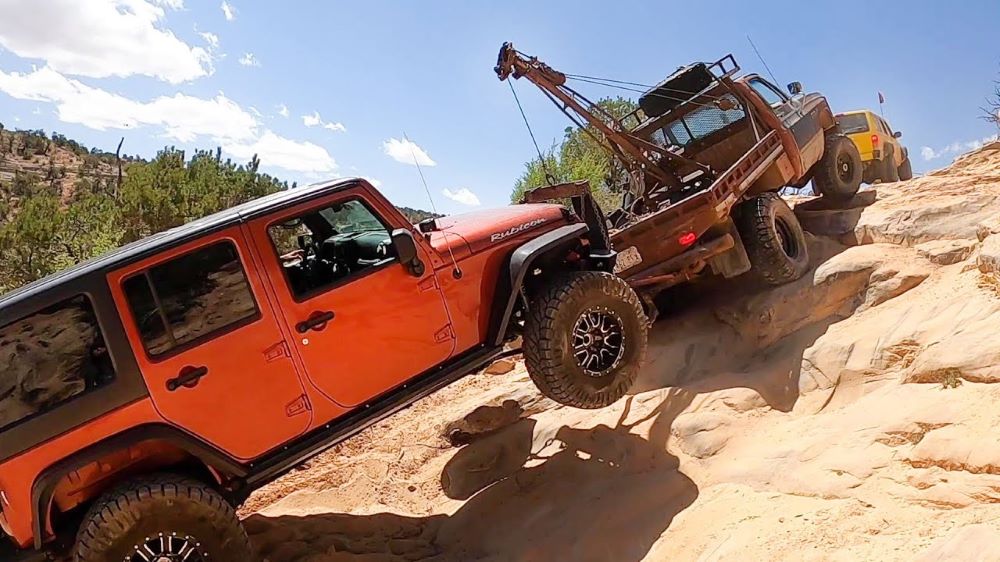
188	377
316	321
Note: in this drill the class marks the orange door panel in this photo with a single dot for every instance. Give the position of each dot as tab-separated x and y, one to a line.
371	331
222	369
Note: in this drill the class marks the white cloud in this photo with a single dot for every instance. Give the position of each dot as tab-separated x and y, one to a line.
928	153
311	120
248	59
255	111
228	10
407	152
462	195
172	4
101	38
282	110
210	38
275	150
315	120
181	117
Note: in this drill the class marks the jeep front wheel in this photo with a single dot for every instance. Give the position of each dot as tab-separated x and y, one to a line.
584	339
161	518
838	173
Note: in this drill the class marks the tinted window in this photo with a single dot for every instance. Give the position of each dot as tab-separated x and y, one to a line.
853	123
326	246
770	95
190	297
50	357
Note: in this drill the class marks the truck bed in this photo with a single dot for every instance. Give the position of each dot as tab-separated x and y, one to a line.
649	245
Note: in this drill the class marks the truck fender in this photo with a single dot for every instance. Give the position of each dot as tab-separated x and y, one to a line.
44	487
517	268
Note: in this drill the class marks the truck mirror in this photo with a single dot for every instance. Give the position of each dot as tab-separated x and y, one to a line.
406	250
795	88
897	134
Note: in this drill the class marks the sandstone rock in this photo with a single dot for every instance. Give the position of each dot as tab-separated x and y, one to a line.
946	252
987	228
500	367
989	255
701	434
973	542
958	448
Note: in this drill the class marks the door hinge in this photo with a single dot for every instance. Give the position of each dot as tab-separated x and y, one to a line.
277	351
428	284
298	406
444	334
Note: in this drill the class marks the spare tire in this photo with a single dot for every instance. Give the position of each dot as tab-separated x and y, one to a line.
773	239
838	173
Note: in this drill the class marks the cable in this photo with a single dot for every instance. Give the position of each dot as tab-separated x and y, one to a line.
457	272
545	169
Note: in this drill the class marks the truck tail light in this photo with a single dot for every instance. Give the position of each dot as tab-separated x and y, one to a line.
687	238
874	140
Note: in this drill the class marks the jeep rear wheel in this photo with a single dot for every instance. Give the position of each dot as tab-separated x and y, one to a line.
838	173
773	239
161	518
890	173
584	339
905	169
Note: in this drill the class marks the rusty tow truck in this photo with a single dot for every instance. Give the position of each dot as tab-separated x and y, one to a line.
705	154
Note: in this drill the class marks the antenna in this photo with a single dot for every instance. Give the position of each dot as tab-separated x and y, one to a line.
768	68
456	272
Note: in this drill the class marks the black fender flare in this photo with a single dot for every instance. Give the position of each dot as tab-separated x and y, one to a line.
45	483
517	268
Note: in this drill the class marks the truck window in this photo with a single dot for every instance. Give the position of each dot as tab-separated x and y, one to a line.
326	246
698	124
853	123
770	95
189	298
50	357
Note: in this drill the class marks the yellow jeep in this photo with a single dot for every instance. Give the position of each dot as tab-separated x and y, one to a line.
884	158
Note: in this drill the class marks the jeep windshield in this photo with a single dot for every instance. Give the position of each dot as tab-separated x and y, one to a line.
853	123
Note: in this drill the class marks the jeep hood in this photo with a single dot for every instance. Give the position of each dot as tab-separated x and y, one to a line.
469	233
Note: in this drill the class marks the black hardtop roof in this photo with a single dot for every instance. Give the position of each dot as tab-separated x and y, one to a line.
175	236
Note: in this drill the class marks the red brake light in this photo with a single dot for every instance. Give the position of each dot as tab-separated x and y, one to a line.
687	238
874	140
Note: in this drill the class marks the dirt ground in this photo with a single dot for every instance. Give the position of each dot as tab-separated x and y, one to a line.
848	416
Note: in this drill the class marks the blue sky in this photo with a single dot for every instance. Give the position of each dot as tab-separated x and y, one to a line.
352	77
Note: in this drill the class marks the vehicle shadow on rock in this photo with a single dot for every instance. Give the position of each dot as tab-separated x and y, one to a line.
597	494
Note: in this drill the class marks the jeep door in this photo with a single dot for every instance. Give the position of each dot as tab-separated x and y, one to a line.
361	322
209	345
799	114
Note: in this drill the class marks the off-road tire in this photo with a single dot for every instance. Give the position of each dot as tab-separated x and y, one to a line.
773	239
554	314
839	172
906	169
890	174
127	516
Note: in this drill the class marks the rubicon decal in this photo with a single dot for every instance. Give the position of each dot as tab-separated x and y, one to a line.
498	236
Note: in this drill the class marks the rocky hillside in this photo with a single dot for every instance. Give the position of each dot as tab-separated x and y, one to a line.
848	416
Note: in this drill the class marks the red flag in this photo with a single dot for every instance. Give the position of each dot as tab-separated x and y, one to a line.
881	98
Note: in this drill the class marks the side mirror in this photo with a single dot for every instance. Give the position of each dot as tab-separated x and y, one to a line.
897	134
795	88
406	251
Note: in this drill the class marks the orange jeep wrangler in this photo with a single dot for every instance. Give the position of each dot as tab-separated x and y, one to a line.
146	393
